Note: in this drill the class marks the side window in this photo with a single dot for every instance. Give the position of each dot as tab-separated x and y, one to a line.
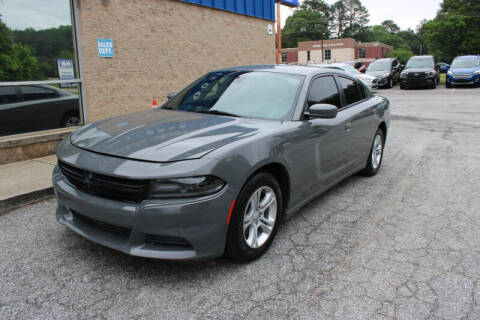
33	93
324	90
350	90
8	94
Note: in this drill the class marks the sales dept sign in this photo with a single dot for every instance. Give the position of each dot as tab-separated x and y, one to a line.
105	48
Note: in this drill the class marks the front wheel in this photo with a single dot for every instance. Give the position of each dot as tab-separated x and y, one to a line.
375	158
390	83
255	219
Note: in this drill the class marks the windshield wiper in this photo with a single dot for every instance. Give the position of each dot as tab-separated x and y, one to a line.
220	113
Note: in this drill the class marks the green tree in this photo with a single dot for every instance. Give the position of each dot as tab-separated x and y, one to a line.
304	25
16	60
455	30
317	5
348	17
401	54
391	26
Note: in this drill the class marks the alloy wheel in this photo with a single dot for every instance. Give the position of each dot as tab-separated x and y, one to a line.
260	217
377	151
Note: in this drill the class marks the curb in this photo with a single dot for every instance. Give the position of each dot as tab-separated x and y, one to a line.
24	199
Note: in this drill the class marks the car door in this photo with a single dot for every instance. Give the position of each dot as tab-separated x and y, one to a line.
357	114
396	70
10	111
319	152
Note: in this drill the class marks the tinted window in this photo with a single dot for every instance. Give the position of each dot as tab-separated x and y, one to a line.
324	90
7	95
350	89
33	93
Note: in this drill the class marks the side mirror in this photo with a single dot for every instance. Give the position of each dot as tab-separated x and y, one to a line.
322	111
171	95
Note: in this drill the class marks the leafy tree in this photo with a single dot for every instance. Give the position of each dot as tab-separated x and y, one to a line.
391	26
304	25
16	60
455	30
317	5
401	54
348	17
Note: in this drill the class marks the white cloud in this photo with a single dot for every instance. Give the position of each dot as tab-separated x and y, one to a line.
406	13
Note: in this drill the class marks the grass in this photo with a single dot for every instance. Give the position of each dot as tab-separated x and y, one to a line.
443	77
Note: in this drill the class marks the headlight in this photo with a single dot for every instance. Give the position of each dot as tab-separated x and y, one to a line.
432	73
449	73
403	75
385	75
185	187
477	72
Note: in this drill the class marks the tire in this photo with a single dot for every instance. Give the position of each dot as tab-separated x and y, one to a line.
434	85
447	85
390	84
375	157
70	119
403	87
243	244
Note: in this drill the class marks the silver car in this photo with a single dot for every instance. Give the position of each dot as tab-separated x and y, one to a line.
367	79
218	167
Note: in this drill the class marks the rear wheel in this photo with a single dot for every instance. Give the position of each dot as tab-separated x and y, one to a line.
71	119
375	158
255	219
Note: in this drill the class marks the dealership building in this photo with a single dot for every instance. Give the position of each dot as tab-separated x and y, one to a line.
335	50
124	55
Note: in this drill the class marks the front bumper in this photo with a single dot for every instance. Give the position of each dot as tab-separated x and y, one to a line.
184	229
463	80
381	82
417	82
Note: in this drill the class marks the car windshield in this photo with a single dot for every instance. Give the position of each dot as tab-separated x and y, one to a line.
350	69
466	63
420	63
264	95
379	66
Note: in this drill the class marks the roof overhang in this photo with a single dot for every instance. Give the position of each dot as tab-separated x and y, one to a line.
289	3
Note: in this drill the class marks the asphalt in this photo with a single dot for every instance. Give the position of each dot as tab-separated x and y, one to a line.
402	245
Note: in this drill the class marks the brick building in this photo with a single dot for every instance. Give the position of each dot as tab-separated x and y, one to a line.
337	50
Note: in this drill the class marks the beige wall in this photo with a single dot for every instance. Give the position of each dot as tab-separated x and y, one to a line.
338	55
160	46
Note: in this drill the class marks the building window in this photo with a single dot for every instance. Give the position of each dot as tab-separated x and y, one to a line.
45	90
284	57
362	53
328	54
308	55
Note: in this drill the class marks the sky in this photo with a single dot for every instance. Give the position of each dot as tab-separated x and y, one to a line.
405	13
36	14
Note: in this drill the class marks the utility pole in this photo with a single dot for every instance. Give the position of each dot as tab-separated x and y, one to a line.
279	35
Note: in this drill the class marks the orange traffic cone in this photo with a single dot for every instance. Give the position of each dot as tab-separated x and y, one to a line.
154	103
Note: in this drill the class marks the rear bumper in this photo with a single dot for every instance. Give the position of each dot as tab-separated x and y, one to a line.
187	229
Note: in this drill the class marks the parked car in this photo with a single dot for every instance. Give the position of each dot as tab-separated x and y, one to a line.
464	71
386	72
365	78
420	71
221	164
444	67
36	107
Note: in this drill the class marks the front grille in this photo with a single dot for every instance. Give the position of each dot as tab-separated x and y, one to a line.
167	241
105	186
103	226
416	75
463	75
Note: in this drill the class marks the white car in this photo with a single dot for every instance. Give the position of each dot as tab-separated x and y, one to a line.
365	78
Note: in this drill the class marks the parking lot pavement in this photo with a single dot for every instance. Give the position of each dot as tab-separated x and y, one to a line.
402	245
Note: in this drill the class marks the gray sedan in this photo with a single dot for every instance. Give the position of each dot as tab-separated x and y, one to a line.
218	167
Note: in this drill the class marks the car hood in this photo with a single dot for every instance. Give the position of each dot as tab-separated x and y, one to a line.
410	70
367	77
164	135
376	74
464	70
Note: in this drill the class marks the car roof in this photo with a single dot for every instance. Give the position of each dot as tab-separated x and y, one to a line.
467	57
384	59
422	57
289	69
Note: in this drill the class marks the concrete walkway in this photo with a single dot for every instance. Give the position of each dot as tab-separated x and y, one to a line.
25	182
